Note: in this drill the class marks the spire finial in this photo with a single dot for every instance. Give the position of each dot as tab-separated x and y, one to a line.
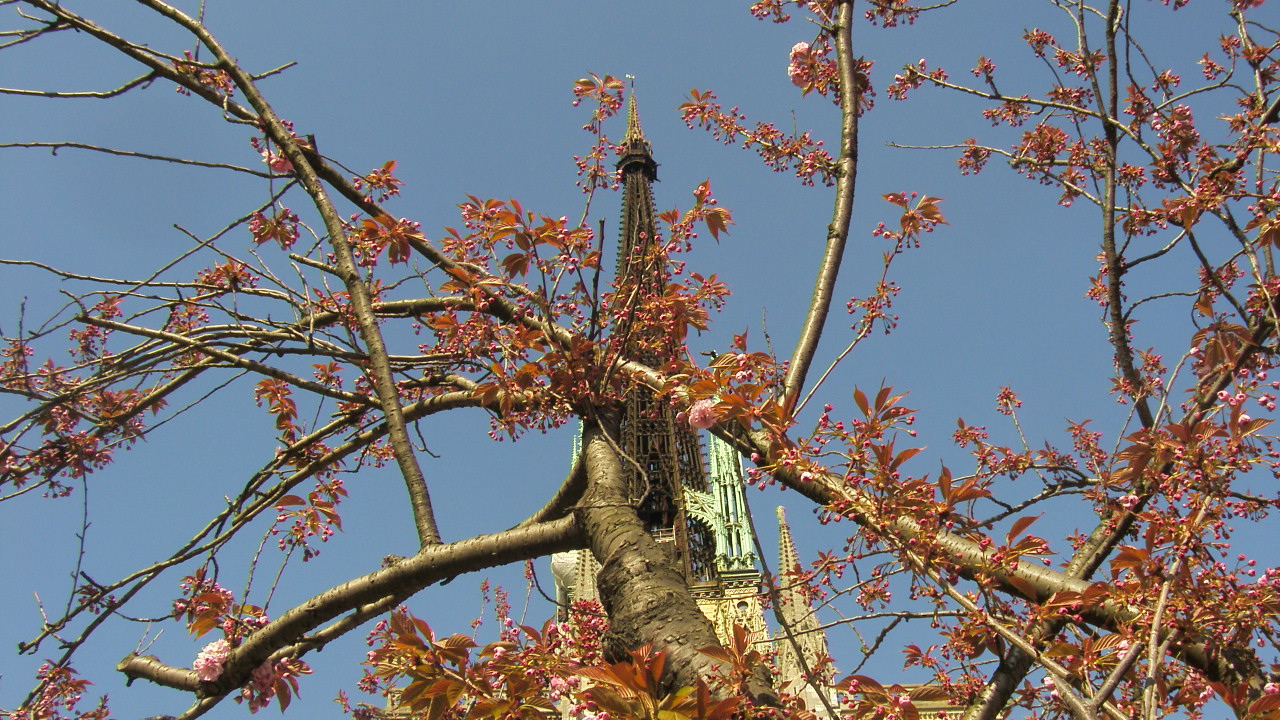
634	133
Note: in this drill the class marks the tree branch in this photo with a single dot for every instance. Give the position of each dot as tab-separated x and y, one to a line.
838	231
400	581
55	146
358	290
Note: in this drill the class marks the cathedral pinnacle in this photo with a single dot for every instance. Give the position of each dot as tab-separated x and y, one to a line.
788	558
634	133
636	154
806	634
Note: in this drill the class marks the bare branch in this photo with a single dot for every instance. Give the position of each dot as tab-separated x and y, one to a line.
55	146
95	94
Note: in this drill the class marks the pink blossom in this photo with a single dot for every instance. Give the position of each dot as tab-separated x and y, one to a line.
559	686
277	163
263	678
799	52
702	414
1271	689
209	661
1129	501
261	688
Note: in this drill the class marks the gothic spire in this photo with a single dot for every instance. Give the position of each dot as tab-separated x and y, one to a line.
636	151
795	605
797	610
665	457
637	261
700	523
634	133
788	558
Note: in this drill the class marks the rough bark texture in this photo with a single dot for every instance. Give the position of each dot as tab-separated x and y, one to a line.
645	597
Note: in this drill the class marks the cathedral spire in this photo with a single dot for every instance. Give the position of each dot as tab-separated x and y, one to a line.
795	605
665	456
788	558
698	517
797	610
735	542
634	133
636	152
639	263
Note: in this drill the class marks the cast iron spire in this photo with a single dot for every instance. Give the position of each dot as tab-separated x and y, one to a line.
696	511
663	457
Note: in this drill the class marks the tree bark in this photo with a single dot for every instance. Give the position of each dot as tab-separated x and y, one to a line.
646	598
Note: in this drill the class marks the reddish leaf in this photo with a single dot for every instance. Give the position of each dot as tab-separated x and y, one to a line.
863	684
860	398
516	264
718	221
904	456
929	693
1129	557
1020	525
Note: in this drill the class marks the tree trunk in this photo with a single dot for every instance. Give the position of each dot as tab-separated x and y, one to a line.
646	598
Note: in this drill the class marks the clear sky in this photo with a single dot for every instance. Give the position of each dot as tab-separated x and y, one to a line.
474	98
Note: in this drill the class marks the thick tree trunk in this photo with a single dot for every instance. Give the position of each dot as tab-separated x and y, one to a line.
644	595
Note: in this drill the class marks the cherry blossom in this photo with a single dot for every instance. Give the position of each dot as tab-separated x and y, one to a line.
796	70
277	163
209	661
702	414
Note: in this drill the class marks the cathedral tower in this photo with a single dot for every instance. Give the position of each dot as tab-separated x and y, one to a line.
665	457
697	516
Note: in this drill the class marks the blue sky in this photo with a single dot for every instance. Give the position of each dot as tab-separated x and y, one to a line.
474	98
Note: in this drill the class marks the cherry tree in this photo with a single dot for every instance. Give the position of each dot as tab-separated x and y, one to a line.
351	328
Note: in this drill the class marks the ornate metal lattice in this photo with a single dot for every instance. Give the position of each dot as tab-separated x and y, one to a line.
664	456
